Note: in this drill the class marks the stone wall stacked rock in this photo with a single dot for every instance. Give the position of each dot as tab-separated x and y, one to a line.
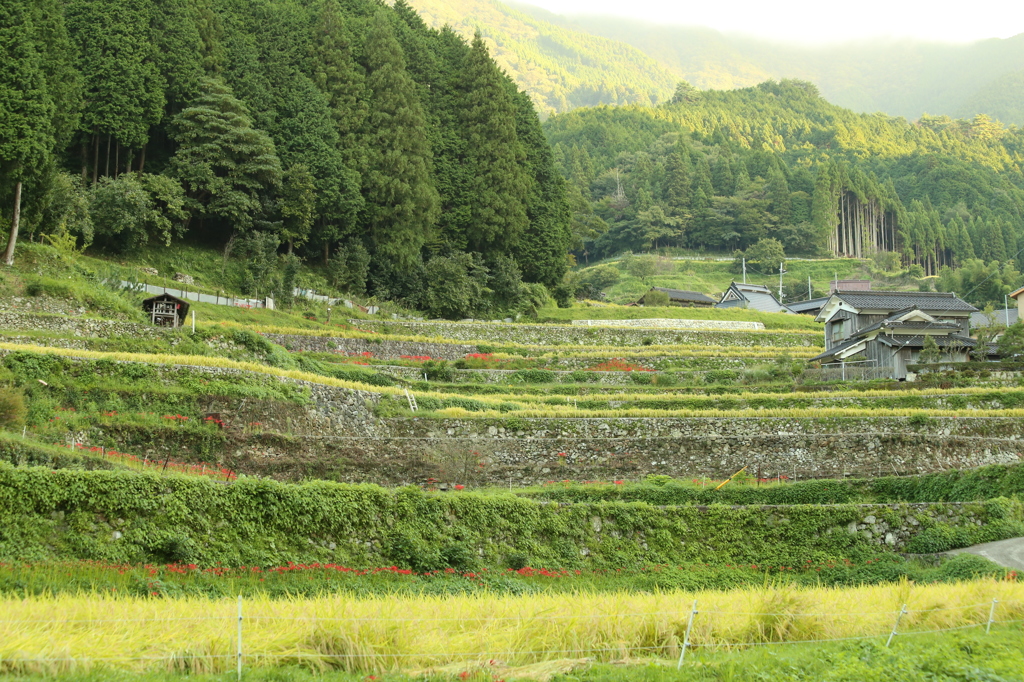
545	334
336	434
668	323
78	326
393	350
381	348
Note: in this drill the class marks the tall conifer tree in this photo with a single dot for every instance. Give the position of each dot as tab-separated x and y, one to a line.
500	185
122	85
402	203
675	192
26	108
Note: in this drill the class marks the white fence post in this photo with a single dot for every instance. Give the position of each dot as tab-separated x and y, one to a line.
991	616
239	667
686	637
896	625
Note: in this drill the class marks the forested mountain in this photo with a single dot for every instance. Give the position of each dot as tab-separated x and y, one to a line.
899	77
341	130
560	67
566	63
721	170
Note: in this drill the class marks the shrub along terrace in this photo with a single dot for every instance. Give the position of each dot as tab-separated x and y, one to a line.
457	573
984	483
129	517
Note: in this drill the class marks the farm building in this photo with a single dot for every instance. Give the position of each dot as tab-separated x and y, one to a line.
887	329
687	299
165	310
752	297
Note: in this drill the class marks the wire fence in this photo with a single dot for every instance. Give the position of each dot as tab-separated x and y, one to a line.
655	634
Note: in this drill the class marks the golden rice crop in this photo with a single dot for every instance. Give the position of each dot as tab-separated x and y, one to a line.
220	362
50	634
530	405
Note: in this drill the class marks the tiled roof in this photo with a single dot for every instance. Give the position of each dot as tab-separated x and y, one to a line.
811	306
899	300
682	295
766	303
981	319
760	288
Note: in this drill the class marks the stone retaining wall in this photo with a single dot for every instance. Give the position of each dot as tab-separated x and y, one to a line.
79	326
392	350
669	323
336	435
546	334
354	447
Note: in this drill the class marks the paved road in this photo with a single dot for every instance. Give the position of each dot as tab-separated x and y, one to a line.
1009	553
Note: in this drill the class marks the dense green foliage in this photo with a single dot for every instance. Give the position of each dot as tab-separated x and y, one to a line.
948	486
555	58
347	133
722	170
455	571
561	68
258	522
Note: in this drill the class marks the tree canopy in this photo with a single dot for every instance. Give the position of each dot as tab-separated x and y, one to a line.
345	131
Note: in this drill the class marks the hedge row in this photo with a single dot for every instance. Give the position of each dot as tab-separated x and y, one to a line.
997	480
130	517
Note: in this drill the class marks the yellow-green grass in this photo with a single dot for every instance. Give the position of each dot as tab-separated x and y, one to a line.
712	277
524	403
199	361
53	634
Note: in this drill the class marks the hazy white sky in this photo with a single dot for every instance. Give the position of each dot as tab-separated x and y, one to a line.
816	21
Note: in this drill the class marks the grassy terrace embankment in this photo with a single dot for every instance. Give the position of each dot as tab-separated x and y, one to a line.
133	517
979	401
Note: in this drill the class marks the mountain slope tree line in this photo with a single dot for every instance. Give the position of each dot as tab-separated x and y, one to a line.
721	170
343	132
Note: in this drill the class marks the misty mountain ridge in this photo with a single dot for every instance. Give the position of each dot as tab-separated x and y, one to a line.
565	62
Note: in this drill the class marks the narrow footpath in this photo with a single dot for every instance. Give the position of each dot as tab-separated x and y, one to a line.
1009	553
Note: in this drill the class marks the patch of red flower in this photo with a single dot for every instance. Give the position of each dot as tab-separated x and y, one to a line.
618	365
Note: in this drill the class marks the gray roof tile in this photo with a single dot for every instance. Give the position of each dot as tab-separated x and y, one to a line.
683	295
981	319
899	300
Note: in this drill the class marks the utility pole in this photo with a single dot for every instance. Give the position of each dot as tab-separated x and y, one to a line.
1006	309
744	270
810	290
780	282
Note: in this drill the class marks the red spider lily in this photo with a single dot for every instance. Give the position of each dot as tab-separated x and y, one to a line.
617	365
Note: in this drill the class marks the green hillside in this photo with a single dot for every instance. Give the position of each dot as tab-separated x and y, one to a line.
346	134
899	77
568	62
717	170
562	68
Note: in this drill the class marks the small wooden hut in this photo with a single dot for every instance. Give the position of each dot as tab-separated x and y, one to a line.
165	310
